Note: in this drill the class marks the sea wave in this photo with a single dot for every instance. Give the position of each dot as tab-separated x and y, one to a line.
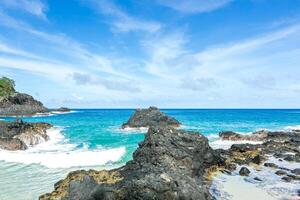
59	153
52	113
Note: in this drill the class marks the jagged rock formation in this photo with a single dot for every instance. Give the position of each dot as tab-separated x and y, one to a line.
20	135
150	117
168	164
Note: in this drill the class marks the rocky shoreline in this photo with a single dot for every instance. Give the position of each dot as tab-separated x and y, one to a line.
177	164
19	135
19	104
280	145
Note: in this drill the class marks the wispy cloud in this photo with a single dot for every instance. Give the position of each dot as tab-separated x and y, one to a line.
122	21
59	69
198	84
261	65
194	6
164	52
112	84
34	7
61	43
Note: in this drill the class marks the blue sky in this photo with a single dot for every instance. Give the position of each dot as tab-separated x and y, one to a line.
168	53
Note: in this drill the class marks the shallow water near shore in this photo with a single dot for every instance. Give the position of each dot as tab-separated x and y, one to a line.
86	139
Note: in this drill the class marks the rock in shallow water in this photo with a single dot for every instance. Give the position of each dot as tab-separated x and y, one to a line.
168	164
296	171
272	165
244	171
280	172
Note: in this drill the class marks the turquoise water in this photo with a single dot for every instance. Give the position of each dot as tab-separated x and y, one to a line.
93	139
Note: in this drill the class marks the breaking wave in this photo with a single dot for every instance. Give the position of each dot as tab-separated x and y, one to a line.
59	153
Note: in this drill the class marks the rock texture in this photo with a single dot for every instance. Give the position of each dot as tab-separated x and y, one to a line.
20	104
168	164
281	145
63	109
20	135
150	117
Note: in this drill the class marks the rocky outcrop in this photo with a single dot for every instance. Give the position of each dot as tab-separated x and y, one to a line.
20	135
168	164
232	136
260	136
19	104
244	171
150	117
63	109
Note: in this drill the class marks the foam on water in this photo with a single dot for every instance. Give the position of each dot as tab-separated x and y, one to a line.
297	127
226	144
59	153
52	113
132	130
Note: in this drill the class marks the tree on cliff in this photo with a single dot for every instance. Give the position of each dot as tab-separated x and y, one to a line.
7	86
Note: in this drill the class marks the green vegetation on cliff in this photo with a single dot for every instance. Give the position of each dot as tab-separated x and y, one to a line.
7	86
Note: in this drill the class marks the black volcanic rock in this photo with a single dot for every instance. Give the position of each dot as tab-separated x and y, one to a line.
296	171
20	104
150	117
168	164
244	171
19	135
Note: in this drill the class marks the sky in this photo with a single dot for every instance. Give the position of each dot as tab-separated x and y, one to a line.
167	53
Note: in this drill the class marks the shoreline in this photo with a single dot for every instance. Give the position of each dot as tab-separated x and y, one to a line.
213	139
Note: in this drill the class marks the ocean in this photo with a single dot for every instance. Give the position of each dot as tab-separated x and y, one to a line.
92	138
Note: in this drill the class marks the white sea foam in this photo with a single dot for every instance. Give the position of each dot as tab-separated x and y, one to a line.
226	144
133	130
59	153
188	127
297	127
61	113
212	136
52	113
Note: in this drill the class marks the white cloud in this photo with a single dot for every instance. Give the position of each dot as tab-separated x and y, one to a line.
194	6
62	44
123	22
112	84
34	7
